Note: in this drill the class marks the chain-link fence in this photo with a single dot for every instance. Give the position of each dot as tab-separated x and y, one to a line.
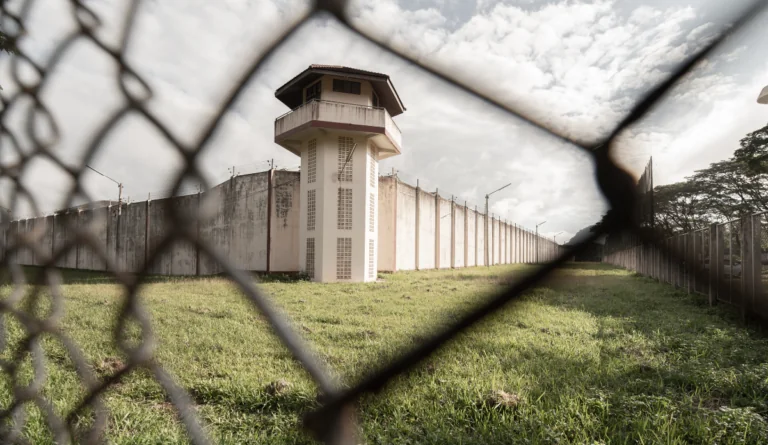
334	421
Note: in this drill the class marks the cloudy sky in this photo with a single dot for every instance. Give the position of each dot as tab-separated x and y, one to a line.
579	66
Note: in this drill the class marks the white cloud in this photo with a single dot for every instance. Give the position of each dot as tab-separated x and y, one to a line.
577	66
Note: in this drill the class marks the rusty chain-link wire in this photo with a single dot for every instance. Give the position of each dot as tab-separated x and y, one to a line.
334	422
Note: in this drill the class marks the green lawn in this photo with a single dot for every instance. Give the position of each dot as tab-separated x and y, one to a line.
597	355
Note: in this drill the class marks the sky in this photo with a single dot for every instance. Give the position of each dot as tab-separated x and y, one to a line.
576	66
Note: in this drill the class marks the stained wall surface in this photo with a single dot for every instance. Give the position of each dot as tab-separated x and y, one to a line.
253	222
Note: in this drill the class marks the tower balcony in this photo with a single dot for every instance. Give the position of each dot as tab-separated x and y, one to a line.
319	115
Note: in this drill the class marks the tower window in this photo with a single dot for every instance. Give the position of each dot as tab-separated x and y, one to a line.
311	161
311	209
345	209
371	212
371	271
311	257
312	92
343	258
346	86
372	166
345	160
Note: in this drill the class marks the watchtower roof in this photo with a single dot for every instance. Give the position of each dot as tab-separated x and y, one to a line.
291	93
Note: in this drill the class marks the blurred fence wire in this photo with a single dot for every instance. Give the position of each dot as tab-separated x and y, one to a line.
334	421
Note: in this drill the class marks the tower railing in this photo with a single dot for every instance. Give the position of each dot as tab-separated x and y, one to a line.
338	112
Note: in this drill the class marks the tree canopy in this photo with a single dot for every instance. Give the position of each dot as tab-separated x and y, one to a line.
723	191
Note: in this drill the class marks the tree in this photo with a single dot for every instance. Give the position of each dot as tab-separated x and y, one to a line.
731	189
7	45
754	151
680	207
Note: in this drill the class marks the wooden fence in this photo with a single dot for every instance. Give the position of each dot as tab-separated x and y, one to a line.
732	260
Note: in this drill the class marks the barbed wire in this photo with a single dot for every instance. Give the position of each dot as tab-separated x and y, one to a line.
334	422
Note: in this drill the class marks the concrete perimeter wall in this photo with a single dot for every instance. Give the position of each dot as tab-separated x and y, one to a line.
253	220
422	230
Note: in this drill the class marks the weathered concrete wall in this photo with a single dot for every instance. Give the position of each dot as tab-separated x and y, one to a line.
480	239
471	238
112	225
406	227
502	240
237	223
131	236
445	233
185	253
499	243
46	240
458	249
180	257
95	222
238	212
160	224
284	247
507	244
426	230
245	210
9	241
64	229
26	229
386	229
214	229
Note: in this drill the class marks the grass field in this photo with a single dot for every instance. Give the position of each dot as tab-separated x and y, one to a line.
596	355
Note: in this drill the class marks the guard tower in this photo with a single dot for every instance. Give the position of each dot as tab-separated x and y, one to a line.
340	124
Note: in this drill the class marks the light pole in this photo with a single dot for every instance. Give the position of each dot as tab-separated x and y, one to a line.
763	97
554	238
537	240
119	189
486	221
